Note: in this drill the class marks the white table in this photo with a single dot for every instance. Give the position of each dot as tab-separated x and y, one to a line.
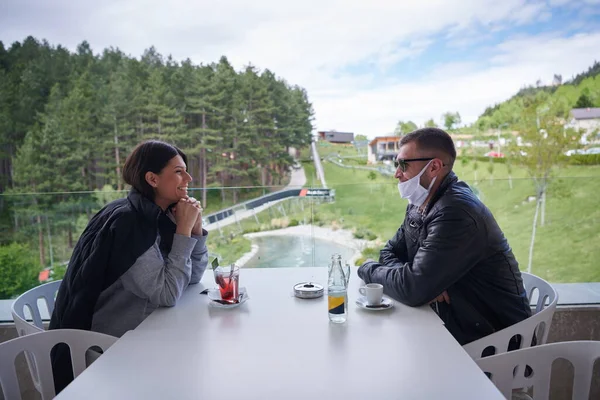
276	346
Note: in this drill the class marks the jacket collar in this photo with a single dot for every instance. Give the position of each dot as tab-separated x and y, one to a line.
449	180
146	207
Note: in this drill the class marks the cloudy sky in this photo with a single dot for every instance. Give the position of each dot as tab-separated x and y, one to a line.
365	64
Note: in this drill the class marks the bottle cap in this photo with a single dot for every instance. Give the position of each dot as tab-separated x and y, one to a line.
308	290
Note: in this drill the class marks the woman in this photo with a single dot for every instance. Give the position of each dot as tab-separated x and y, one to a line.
137	253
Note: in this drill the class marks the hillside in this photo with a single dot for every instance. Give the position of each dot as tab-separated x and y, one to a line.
583	90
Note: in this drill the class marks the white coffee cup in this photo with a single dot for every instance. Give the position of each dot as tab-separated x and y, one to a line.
373	292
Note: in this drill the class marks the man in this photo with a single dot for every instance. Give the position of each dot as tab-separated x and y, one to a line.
449	250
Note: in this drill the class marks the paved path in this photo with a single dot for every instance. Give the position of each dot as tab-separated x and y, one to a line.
318	165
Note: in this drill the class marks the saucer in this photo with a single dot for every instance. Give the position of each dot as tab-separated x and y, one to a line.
385	304
215	294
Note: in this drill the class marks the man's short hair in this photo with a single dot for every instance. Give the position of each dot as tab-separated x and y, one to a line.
432	139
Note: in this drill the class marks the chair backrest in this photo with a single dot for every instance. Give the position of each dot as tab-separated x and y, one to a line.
40	345
30	299
545	291
538	324
508	369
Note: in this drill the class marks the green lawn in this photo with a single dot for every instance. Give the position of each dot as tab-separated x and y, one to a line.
344	150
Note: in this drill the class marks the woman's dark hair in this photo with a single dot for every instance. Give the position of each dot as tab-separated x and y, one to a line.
152	156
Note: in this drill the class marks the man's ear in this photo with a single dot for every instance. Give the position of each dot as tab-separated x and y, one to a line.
151	178
437	165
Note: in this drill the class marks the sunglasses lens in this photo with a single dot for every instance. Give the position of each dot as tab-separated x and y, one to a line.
400	164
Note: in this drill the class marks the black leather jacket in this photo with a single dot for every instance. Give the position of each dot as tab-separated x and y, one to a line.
454	245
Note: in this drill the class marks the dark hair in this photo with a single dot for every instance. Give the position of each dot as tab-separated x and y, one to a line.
432	139
152	156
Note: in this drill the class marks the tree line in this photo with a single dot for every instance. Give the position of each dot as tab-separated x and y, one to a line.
451	121
68	119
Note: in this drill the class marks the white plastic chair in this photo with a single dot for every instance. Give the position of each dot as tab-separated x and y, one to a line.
508	369
39	346
538	323
30	299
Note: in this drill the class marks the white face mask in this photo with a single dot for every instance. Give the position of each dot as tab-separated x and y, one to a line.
412	189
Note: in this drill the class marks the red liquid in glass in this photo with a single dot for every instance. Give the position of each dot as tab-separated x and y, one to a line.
228	287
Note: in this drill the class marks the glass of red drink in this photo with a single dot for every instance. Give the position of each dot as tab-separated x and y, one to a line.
228	278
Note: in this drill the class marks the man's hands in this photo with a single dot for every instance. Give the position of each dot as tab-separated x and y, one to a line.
441	298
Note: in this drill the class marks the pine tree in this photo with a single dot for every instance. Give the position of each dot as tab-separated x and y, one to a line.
119	100
584	101
255	134
199	108
161	118
6	144
49	162
228	103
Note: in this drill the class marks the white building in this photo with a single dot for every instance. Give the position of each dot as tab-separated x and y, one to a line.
587	119
383	148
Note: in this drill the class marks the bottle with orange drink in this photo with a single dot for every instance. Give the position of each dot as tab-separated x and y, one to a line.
337	290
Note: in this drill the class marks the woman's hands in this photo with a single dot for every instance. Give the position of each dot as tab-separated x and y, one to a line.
188	216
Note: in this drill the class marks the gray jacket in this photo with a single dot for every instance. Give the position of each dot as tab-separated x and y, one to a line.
154	280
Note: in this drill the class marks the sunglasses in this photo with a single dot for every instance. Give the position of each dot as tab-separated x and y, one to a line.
402	163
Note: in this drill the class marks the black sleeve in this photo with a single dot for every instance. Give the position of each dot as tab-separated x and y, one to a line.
451	249
394	252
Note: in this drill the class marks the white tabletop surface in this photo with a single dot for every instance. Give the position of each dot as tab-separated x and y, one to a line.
276	346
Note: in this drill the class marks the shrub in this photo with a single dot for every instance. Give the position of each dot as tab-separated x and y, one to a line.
252	229
584	159
19	270
370	235
364	234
